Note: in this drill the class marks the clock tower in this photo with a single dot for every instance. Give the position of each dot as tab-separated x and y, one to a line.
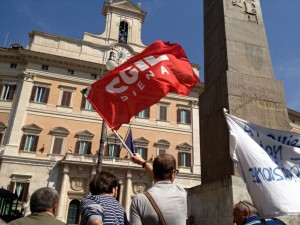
122	34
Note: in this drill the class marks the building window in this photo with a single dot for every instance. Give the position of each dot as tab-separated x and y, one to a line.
183	116
39	94
29	143
184	159
45	67
2	130
73	212
141	147
70	72
184	155
162	146
142	151
123	32
94	76
145	114
19	185
85	104
113	146
8	91
59	135
57	145
114	150
30	138
163	111
83	147
84	143
13	65
66	96
161	151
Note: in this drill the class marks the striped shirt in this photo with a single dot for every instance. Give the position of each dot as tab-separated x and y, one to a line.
104	208
256	220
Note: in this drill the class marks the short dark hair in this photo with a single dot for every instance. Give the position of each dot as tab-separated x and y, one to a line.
43	199
163	165
103	182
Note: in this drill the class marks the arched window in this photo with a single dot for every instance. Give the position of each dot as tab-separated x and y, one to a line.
123	32
73	212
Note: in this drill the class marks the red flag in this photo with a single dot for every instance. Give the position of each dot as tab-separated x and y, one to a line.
141	82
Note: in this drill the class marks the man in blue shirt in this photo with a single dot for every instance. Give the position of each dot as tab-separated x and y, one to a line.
245	213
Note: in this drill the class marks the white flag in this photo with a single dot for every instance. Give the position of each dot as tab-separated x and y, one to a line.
268	161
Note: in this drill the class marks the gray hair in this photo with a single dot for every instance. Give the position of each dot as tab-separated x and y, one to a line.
246	205
43	199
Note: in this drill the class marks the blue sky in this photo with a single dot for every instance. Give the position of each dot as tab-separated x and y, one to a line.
168	20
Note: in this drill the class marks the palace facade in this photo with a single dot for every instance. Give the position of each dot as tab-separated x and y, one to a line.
50	134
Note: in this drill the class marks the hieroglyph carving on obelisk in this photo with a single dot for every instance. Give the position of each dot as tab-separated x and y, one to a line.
249	7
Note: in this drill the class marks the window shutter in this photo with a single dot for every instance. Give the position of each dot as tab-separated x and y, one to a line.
118	149
47	90
146	153
1	88
83	100
178	116
105	153
12	185
77	145
66	98
163	113
12	93
179	159
89	148
22	142
1	135
188	115
189	159
36	140
147	113
32	93
25	192
57	146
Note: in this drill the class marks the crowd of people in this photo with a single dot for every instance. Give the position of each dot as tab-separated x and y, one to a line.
154	206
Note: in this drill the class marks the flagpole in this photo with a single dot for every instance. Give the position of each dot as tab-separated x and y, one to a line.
101	147
110	65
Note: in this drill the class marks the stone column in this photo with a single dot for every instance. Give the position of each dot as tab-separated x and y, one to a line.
63	197
196	138
18	113
239	77
128	190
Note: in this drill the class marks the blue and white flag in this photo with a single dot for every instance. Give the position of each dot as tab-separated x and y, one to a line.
269	162
129	140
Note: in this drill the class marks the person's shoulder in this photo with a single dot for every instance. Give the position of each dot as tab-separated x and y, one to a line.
180	188
19	221
57	222
278	221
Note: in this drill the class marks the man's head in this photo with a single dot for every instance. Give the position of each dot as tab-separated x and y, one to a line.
164	167
103	183
242	211
44	200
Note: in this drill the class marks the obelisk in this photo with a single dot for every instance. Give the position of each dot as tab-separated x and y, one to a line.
239	77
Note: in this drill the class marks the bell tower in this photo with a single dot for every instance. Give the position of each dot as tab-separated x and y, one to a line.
123	25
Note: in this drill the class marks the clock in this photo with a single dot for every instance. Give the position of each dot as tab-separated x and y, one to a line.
121	54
